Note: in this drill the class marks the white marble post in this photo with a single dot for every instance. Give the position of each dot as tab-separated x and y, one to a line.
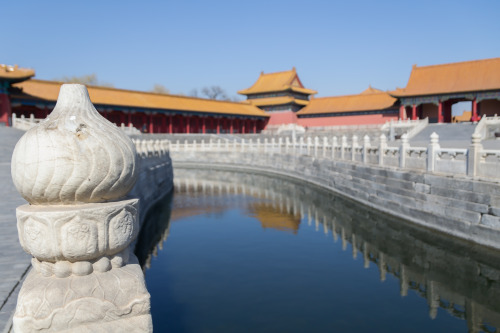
432	151
74	169
474	155
366	146
316	146
381	149
403	149
354	145
334	146
325	145
343	147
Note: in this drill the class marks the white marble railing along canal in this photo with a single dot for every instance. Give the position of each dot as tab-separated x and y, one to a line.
455	191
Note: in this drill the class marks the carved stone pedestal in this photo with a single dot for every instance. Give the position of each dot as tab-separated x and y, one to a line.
74	168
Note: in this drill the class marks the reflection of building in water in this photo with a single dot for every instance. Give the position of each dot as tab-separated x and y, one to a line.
450	274
206	197
270	218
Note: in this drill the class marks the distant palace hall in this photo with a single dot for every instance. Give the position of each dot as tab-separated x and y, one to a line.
273	100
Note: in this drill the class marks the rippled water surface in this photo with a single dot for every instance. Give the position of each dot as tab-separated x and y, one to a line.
251	253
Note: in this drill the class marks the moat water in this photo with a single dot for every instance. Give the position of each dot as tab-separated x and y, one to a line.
252	253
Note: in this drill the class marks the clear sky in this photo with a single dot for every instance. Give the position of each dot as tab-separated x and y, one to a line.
338	47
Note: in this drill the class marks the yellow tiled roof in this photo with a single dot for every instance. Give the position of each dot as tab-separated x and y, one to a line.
49	90
279	81
14	73
370	99
276	101
477	75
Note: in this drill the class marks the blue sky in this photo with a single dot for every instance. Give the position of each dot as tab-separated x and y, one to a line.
338	47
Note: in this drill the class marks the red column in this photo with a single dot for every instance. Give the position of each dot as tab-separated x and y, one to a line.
170	124
129	118
122	118
254	126
218	125
402	112
440	112
203	125
151	128
414	112
188	123
231	126
243	126
5	109
474	111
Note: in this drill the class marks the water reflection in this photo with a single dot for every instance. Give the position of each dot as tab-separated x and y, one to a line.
461	278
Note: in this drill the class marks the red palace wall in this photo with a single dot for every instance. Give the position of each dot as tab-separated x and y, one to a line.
280	118
347	120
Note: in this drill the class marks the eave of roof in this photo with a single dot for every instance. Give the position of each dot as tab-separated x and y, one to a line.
280	100
15	74
49	91
349	103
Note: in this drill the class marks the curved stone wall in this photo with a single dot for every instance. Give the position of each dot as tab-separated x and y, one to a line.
456	205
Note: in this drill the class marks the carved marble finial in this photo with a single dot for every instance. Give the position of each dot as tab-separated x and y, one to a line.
72	168
74	156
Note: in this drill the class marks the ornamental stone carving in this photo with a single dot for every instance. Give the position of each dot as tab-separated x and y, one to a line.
74	168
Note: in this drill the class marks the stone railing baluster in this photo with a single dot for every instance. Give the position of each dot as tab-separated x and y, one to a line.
366	146
403	149
343	147
382	148
77	226
354	145
432	151
474	155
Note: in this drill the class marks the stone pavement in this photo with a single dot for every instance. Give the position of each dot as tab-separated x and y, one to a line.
14	262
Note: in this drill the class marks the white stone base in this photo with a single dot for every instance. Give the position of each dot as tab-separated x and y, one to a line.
112	301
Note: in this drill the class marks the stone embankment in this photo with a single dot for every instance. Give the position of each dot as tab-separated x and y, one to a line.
459	205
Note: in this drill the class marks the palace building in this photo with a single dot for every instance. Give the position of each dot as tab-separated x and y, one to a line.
148	112
10	75
273	100
432	90
278	92
372	106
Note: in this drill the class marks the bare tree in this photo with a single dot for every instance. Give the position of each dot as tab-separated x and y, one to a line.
160	89
214	92
88	80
